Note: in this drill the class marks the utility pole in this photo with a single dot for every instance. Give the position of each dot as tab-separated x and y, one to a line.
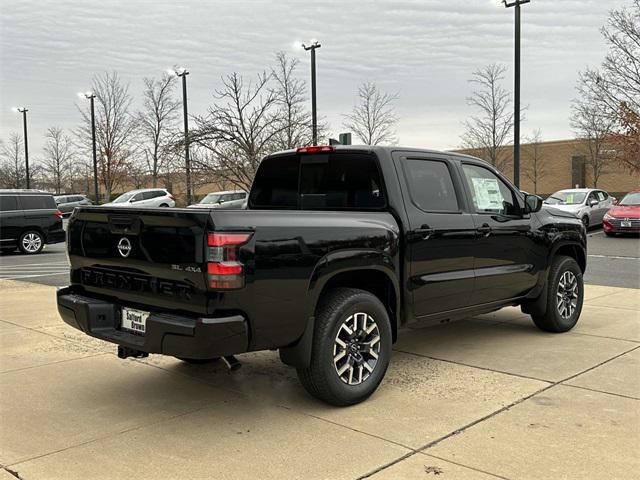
516	102
183	72
314	113
24	111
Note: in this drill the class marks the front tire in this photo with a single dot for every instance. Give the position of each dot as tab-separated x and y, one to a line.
351	347
610	234
31	242
585	222
565	295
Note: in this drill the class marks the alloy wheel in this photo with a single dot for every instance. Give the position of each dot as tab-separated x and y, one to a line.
356	348
32	242
567	295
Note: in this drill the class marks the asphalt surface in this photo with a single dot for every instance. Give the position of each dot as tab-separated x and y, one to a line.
611	261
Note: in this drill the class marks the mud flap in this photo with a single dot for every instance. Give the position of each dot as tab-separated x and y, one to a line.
299	354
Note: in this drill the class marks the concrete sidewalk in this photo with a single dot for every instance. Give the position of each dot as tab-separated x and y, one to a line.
490	397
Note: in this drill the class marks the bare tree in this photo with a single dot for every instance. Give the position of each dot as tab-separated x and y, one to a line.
58	157
157	124
115	129
492	128
373	118
536	168
592	125
12	167
616	84
290	101
238	130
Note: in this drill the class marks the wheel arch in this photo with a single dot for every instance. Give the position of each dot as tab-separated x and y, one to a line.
572	250
368	270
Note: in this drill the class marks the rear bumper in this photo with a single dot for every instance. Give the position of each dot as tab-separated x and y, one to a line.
178	336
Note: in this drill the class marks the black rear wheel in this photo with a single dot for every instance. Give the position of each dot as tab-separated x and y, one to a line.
351	347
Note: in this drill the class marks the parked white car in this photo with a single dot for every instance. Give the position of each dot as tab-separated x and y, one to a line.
145	198
230	199
588	204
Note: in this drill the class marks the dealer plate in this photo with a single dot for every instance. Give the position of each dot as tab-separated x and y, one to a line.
134	320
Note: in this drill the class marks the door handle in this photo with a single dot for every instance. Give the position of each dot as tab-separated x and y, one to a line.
425	231
484	230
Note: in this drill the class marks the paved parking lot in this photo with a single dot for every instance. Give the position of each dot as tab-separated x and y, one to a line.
490	397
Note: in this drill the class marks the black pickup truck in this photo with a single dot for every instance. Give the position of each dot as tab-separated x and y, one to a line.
338	249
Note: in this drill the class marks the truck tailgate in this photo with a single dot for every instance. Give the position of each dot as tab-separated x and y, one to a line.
153	257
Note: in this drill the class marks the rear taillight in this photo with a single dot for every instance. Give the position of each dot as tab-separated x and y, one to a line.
172	197
224	270
58	214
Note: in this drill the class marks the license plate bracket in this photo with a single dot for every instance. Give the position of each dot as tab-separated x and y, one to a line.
625	224
134	321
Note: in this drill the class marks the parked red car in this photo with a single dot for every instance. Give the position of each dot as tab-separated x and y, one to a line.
623	217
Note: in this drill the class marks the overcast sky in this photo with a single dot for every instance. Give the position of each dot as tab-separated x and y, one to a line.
426	50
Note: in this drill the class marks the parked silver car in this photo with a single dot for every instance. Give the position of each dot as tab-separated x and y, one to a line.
146	198
230	199
588	204
66	203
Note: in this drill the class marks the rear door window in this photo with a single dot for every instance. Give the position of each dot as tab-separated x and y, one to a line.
430	185
8	203
37	202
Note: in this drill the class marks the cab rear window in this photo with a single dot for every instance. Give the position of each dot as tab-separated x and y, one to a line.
327	181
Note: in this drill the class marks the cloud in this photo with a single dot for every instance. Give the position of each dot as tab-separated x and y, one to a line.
424	49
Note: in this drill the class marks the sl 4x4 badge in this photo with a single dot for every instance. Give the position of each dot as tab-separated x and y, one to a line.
186	268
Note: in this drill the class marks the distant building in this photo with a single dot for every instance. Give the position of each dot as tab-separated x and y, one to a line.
564	166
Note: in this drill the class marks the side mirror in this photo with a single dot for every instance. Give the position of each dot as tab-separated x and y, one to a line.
593	202
533	203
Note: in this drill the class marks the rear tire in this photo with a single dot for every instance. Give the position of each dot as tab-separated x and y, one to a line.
351	347
610	234
565	295
31	242
199	361
164	205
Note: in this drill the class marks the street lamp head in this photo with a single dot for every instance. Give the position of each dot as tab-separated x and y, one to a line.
87	95
20	109
513	3
178	71
314	44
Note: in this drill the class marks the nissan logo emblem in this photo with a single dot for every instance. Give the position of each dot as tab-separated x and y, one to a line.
124	247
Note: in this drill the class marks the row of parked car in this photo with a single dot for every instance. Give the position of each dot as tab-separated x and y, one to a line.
596	207
155	197
29	219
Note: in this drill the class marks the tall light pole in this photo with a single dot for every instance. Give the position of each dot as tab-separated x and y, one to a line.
183	72
91	97
314	113
516	102
24	111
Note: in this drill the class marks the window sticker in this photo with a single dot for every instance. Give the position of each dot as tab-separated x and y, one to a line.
487	193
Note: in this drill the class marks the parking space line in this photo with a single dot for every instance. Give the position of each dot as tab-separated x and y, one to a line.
16	277
38	264
617	257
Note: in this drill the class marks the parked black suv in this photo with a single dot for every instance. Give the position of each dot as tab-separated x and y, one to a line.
29	219
338	249
66	203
